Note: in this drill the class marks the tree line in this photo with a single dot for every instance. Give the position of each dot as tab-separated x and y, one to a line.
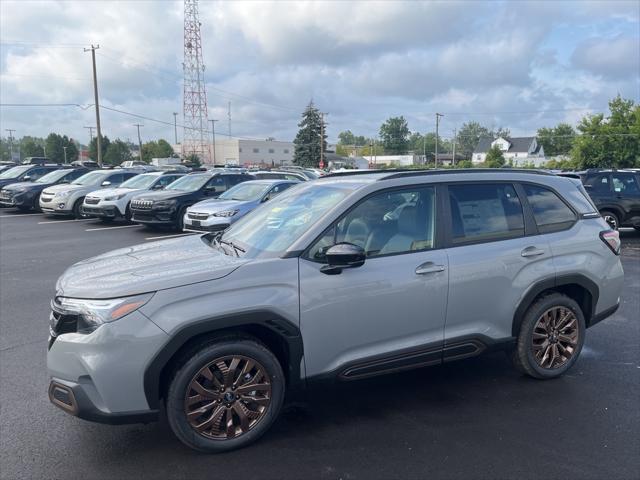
601	140
53	147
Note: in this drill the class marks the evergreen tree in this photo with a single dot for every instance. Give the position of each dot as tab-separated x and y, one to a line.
55	148
309	138
495	158
93	147
395	135
117	152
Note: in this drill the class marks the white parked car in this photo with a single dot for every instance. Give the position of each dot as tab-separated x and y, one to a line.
67	199
112	203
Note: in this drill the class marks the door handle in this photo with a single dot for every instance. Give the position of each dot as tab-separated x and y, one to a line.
532	252
429	267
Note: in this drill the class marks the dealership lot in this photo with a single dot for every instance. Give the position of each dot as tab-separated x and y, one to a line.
475	418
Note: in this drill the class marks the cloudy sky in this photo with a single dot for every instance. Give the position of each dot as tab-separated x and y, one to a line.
520	65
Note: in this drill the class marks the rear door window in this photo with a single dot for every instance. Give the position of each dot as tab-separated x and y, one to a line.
598	183
624	183
484	212
550	212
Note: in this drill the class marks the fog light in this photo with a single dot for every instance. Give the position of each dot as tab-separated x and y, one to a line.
61	205
62	396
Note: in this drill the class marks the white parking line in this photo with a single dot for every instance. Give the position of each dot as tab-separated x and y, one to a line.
111	228
169	236
19	215
65	221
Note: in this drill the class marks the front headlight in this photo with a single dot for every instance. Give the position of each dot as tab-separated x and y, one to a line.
114	197
63	194
93	313
225	213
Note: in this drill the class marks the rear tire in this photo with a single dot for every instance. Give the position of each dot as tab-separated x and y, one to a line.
611	218
551	337
180	220
211	406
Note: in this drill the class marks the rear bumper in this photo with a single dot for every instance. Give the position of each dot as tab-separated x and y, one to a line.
72	398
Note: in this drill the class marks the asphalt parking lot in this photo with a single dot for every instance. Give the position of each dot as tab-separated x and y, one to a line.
472	419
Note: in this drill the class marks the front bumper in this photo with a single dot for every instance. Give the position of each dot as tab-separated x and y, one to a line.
102	212
21	199
202	227
100	376
153	217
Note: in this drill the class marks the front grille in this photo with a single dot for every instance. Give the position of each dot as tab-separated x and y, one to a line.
197	216
142	204
91	200
46	197
142	217
45	200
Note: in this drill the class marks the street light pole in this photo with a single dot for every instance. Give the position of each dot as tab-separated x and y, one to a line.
137	125
175	126
438	115
213	135
95	93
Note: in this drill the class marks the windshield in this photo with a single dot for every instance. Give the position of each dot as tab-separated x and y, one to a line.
189	183
15	172
140	181
246	192
53	177
273	227
90	178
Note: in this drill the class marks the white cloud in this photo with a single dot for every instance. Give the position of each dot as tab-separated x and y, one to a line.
359	61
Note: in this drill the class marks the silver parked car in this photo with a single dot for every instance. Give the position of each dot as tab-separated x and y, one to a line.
339	279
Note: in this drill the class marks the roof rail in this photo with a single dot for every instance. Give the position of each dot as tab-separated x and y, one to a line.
347	173
416	173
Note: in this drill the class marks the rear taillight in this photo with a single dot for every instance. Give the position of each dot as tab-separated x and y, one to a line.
612	239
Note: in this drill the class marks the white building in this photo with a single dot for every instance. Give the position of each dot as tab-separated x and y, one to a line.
233	151
517	151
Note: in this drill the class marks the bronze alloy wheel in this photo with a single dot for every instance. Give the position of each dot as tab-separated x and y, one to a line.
227	397
555	337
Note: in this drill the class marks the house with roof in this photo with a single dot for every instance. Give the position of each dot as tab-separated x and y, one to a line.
517	151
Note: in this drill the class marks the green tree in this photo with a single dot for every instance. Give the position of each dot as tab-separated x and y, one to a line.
309	138
93	147
495	158
55	147
395	135
31	147
557	140
153	149
611	142
346	138
468	137
117	152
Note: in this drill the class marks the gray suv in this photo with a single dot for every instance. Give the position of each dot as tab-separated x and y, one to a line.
339	279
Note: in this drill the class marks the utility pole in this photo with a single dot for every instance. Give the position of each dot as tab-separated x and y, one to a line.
137	125
229	117
321	164
95	93
65	154
11	132
213	135
438	115
175	126
455	139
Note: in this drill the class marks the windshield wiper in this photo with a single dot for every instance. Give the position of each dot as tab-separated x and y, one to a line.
235	247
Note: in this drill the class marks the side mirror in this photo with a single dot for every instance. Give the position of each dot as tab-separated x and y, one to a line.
266	198
158	187
26	178
343	255
106	183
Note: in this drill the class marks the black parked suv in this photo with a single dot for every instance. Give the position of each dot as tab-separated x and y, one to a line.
25	173
167	207
616	193
25	195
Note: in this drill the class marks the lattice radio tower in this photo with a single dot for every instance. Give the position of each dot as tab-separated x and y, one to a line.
194	108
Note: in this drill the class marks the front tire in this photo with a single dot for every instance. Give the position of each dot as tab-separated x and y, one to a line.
551	337
77	209
225	394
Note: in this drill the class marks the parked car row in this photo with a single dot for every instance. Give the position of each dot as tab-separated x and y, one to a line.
155	199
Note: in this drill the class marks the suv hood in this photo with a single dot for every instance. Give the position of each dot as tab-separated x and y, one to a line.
67	187
164	195
146	268
25	185
108	192
212	206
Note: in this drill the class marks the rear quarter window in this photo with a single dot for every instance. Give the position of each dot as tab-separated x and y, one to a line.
550	212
